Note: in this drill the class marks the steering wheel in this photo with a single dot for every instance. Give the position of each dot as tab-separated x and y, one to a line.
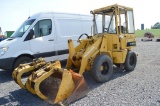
82	35
109	30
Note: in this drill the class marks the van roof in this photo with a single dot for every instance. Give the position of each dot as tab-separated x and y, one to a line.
58	15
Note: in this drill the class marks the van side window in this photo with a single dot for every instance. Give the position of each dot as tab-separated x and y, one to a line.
42	28
74	27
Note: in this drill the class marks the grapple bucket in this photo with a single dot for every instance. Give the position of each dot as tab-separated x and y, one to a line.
26	68
57	85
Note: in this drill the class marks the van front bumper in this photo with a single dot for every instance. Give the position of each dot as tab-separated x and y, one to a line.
6	63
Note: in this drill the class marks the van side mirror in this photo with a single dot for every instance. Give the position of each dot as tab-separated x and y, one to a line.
30	35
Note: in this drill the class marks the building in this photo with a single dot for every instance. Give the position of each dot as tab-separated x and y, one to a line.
8	33
142	26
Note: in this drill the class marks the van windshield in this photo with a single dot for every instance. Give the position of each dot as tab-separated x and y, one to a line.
22	29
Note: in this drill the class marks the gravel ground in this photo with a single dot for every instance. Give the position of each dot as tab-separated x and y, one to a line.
137	88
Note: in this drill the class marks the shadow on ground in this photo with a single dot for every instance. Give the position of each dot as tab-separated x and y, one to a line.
94	84
22	98
5	76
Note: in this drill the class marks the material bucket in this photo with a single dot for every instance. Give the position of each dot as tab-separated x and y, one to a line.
57	85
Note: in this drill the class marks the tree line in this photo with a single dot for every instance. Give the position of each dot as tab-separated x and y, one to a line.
156	26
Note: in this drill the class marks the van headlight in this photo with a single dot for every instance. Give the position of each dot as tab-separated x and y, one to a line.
3	50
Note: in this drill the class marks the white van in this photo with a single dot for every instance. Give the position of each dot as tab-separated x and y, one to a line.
43	35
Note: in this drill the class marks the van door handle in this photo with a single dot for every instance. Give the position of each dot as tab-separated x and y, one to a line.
51	40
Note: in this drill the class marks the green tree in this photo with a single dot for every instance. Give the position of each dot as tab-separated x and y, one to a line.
156	26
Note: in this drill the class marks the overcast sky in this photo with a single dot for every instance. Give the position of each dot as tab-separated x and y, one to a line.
14	12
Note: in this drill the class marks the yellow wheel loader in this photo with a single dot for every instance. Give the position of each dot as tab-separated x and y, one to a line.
111	42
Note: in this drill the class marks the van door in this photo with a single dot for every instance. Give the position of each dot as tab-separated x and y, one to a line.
43	42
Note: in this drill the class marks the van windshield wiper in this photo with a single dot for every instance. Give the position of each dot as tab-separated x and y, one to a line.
12	37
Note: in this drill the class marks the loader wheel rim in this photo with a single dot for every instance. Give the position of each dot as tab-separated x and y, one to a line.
104	71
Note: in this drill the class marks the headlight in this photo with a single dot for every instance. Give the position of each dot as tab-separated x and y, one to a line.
3	50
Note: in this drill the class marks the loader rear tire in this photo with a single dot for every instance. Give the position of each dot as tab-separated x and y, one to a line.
102	68
131	61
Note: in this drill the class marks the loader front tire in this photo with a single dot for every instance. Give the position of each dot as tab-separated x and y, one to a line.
102	68
131	61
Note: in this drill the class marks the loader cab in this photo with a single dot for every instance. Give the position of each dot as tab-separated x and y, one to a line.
114	19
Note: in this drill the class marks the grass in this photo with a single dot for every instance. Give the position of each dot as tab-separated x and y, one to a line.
140	33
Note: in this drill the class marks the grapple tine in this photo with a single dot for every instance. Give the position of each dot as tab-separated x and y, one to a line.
14	75
34	81
19	72
25	68
30	84
37	83
15	72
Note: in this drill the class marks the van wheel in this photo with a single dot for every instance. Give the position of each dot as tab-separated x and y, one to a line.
102	68
131	61
22	60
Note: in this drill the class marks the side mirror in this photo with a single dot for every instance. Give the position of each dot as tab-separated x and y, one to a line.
30	35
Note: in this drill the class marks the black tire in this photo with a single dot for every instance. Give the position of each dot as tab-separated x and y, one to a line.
105	74
131	61
21	60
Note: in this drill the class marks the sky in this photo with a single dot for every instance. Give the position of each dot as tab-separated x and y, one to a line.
14	12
